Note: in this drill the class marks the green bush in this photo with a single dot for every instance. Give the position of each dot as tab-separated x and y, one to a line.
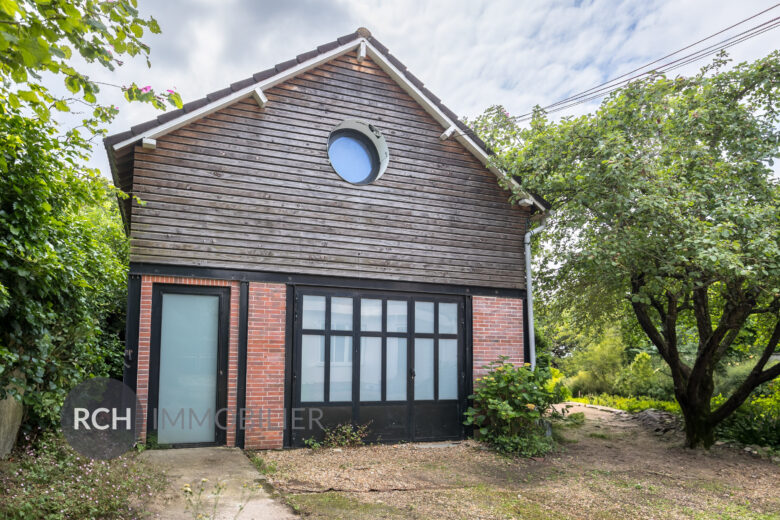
49	480
509	408
596	368
757	421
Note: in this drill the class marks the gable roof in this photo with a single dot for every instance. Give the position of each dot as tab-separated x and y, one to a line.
120	146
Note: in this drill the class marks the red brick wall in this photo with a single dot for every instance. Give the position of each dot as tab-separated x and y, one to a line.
265	366
144	339
497	330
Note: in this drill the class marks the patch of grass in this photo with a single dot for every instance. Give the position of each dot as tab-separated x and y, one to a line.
337	505
598	435
49	480
265	467
511	504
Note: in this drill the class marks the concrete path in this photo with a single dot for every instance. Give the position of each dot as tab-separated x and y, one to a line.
224	466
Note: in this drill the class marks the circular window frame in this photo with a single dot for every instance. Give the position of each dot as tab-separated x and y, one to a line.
371	138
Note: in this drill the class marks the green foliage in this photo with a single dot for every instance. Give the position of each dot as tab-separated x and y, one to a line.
510	405
49	480
63	265
757	421
39	38
341	436
596	368
629	404
665	204
265	467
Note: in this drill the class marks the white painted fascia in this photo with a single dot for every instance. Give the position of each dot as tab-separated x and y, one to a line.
376	56
443	120
215	105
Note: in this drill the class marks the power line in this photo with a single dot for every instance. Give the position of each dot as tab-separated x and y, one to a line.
605	88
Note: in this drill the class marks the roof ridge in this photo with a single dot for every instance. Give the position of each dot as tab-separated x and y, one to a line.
257	77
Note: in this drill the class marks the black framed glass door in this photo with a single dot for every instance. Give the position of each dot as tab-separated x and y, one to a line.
188	379
393	360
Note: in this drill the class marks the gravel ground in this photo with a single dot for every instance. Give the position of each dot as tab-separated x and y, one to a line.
613	466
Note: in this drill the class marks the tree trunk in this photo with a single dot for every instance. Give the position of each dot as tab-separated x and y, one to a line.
699	432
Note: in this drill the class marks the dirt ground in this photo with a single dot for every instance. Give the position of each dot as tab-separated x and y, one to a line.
610	467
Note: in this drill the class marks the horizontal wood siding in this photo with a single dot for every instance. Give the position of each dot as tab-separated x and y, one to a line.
252	188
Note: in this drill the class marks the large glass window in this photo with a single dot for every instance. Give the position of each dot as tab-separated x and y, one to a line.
378	348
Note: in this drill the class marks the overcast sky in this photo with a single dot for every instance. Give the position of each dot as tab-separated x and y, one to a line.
470	53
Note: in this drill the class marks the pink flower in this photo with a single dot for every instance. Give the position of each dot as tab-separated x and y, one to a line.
146	89
171	91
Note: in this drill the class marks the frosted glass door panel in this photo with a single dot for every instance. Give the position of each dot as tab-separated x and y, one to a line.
312	368
340	368
396	369
423	369
370	369
448	369
188	368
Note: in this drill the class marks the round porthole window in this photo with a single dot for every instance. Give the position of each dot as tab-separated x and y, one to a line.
358	152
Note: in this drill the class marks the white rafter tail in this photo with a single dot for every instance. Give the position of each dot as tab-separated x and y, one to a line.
259	96
149	143
361	55
448	133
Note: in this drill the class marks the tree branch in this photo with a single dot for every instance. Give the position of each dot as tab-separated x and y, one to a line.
756	377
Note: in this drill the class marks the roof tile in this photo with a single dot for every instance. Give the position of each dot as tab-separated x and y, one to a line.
306	56
348	38
244	83
264	74
398	65
376	43
143	127
173	114
194	105
219	94
322	49
281	67
415	81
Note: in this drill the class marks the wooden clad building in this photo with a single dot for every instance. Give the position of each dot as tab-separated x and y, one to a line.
323	242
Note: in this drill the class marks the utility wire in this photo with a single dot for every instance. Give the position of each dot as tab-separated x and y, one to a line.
605	88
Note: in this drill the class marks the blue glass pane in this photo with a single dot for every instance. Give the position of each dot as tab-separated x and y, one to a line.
350	158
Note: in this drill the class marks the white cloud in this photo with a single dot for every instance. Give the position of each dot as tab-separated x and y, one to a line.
469	53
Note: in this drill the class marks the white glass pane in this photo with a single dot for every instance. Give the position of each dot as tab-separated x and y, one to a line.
423	317
340	368
423	368
188	368
370	369
448	318
312	368
396	369
396	316
313	312
371	315
448	369
341	314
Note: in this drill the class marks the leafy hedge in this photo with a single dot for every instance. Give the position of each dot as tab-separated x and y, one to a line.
510	404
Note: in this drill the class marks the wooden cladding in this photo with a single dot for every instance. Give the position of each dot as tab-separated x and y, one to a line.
251	188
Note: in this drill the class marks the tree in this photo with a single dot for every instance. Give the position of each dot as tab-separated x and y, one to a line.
63	255
39	37
664	198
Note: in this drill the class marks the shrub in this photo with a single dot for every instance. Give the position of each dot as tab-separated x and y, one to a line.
596	367
757	421
509	406
341	436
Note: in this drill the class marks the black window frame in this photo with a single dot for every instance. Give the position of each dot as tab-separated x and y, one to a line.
223	340
410	335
